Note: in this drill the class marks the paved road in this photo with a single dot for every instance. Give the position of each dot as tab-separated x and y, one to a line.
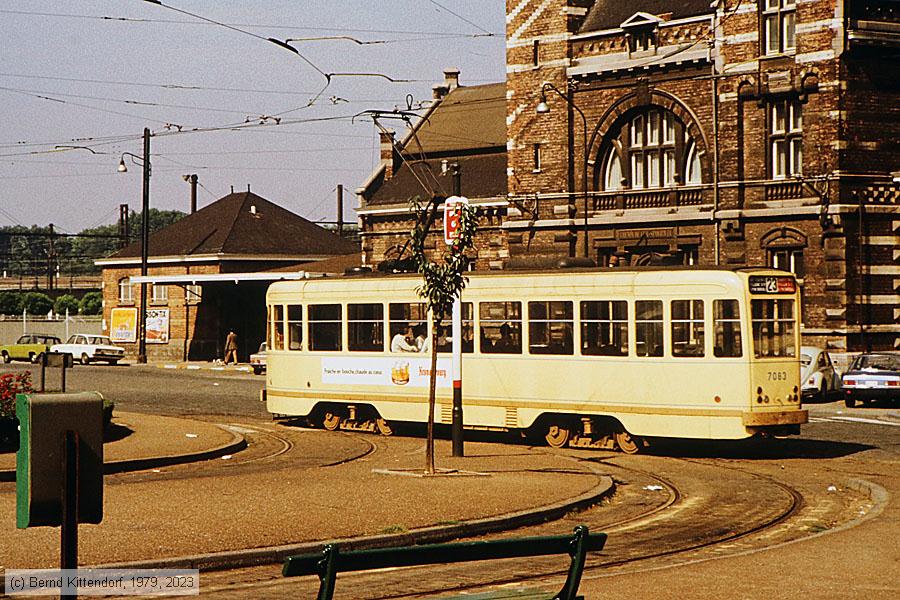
151	389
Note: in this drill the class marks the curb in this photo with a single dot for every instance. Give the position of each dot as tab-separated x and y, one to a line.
235	559
236	444
195	367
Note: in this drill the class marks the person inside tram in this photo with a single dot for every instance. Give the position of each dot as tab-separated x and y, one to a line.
403	341
423	342
506	343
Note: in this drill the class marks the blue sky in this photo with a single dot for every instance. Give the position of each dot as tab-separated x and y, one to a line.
95	73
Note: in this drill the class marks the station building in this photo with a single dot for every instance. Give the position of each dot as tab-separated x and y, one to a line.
690	133
209	273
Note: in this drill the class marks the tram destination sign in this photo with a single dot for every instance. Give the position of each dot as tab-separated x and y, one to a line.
771	284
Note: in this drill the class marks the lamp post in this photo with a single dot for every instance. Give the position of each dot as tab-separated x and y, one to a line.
145	238
544	108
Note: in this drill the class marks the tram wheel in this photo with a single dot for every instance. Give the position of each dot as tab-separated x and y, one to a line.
383	427
557	436
627	443
331	420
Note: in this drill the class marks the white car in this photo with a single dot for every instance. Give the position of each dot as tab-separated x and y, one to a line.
90	348
258	360
818	376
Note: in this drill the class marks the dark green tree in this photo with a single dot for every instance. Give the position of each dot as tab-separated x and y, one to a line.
37	303
91	304
64	303
10	303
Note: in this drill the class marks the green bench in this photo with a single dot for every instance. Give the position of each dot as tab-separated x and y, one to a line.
328	563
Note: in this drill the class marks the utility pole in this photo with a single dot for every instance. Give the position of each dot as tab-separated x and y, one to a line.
124	237
456	423
145	242
340	209
51	255
192	179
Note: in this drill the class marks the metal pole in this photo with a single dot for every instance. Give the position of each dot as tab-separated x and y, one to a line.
145	240
340	210
68	552
456	426
193	180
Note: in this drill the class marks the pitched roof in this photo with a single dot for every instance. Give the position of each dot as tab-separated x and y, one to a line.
468	118
246	224
468	127
609	14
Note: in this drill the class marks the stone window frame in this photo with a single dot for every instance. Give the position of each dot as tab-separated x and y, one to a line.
788	243
782	14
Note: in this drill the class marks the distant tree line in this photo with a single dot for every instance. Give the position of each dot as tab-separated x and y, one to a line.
39	303
41	251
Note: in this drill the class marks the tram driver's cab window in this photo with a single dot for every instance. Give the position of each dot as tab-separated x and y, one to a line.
773	328
365	327
294	327
550	327
604	328
324	327
648	322
501	327
727	329
687	328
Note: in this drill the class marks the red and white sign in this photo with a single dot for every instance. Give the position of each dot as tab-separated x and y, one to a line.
452	215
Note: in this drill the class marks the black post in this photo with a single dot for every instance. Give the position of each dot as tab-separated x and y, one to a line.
340	210
456	425
145	240
193	180
68	555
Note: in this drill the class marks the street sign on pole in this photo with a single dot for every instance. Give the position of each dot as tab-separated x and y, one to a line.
452	213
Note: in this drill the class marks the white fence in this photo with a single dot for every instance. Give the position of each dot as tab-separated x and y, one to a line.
11	327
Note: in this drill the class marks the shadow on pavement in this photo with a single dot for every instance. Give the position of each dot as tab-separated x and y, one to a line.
755	448
115	432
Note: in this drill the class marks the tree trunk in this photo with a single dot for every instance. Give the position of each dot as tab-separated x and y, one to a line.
432	385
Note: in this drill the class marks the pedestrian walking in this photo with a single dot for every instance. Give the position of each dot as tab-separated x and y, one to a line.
231	347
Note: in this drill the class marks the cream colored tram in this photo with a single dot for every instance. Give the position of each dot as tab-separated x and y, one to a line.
594	357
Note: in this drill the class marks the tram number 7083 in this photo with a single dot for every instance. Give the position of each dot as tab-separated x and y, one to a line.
777	375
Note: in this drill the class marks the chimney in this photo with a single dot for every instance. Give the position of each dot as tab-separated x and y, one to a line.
451	78
388	153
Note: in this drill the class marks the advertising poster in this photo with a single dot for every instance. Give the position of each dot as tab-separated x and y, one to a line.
158	326
123	325
397	370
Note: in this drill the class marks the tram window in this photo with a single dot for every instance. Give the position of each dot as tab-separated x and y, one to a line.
324	327
276	337
501	327
550	326
365	327
604	328
445	331
727	328
295	327
773	328
408	314
687	328
648	322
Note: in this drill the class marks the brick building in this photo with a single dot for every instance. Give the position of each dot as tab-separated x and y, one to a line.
728	133
209	274
459	141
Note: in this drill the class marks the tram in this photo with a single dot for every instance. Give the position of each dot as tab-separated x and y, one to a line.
601	358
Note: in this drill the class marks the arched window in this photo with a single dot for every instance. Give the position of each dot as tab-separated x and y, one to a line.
612	171
692	174
657	152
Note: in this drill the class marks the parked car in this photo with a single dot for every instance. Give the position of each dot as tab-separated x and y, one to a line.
258	360
818	377
871	377
29	346
90	348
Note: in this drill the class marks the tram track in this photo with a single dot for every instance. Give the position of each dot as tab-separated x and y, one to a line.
641	530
